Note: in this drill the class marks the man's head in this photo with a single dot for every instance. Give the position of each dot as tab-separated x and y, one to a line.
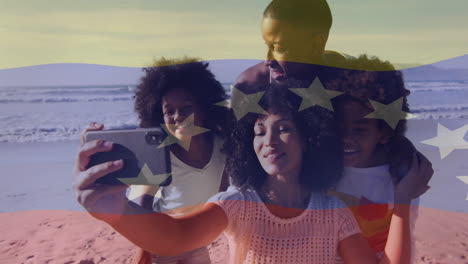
295	32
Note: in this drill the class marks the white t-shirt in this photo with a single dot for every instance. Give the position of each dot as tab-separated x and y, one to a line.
373	185
191	187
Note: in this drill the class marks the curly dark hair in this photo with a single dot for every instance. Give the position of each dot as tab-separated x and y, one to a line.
322	160
195	78
374	79
379	82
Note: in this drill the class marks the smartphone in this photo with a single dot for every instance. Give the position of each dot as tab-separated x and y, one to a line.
145	162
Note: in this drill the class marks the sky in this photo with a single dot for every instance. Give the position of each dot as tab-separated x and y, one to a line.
131	33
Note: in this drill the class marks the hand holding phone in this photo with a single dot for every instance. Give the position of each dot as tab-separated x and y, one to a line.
101	200
144	162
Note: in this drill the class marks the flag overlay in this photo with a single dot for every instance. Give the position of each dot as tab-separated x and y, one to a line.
46	102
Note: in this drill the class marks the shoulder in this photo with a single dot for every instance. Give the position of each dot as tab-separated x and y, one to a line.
321	200
231	194
341	216
334	209
255	77
335	58
232	202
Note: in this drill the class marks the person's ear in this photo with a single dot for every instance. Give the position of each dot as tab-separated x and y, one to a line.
318	43
307	142
385	137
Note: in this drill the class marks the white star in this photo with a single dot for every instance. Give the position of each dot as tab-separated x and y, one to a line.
465	180
146	177
191	130
316	94
139	190
242	103
225	103
448	140
391	113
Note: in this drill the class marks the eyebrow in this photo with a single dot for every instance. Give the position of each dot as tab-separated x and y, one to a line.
277	121
273	43
183	101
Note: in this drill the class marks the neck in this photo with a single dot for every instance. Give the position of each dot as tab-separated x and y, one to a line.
280	191
199	153
379	159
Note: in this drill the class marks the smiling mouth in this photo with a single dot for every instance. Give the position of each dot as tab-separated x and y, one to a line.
277	74
184	126
274	156
350	151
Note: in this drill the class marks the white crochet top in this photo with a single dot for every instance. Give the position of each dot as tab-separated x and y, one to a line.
255	235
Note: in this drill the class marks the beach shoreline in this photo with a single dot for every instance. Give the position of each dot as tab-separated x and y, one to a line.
41	222
75	237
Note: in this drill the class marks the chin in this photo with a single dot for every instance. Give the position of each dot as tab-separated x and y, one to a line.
272	171
350	164
279	81
180	136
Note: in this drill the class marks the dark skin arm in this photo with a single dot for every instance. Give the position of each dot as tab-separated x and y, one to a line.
154	232
168	236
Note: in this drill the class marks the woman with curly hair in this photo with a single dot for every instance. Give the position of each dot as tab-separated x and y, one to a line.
181	95
281	164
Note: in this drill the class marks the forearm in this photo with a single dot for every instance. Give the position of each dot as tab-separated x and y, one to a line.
165	235
398	246
143	195
154	232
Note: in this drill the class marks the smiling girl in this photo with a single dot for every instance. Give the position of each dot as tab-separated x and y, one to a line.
383	171
181	98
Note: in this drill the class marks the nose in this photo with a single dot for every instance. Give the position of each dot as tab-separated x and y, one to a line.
271	139
269	55
270	59
178	117
347	137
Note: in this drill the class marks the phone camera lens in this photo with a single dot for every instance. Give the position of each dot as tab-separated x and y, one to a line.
153	138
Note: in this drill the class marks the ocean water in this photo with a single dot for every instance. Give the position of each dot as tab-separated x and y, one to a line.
44	114
48	115
439	99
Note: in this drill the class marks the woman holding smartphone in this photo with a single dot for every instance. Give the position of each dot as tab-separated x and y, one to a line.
181	97
281	164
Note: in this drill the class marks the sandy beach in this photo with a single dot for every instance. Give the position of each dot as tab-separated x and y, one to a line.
40	221
75	237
